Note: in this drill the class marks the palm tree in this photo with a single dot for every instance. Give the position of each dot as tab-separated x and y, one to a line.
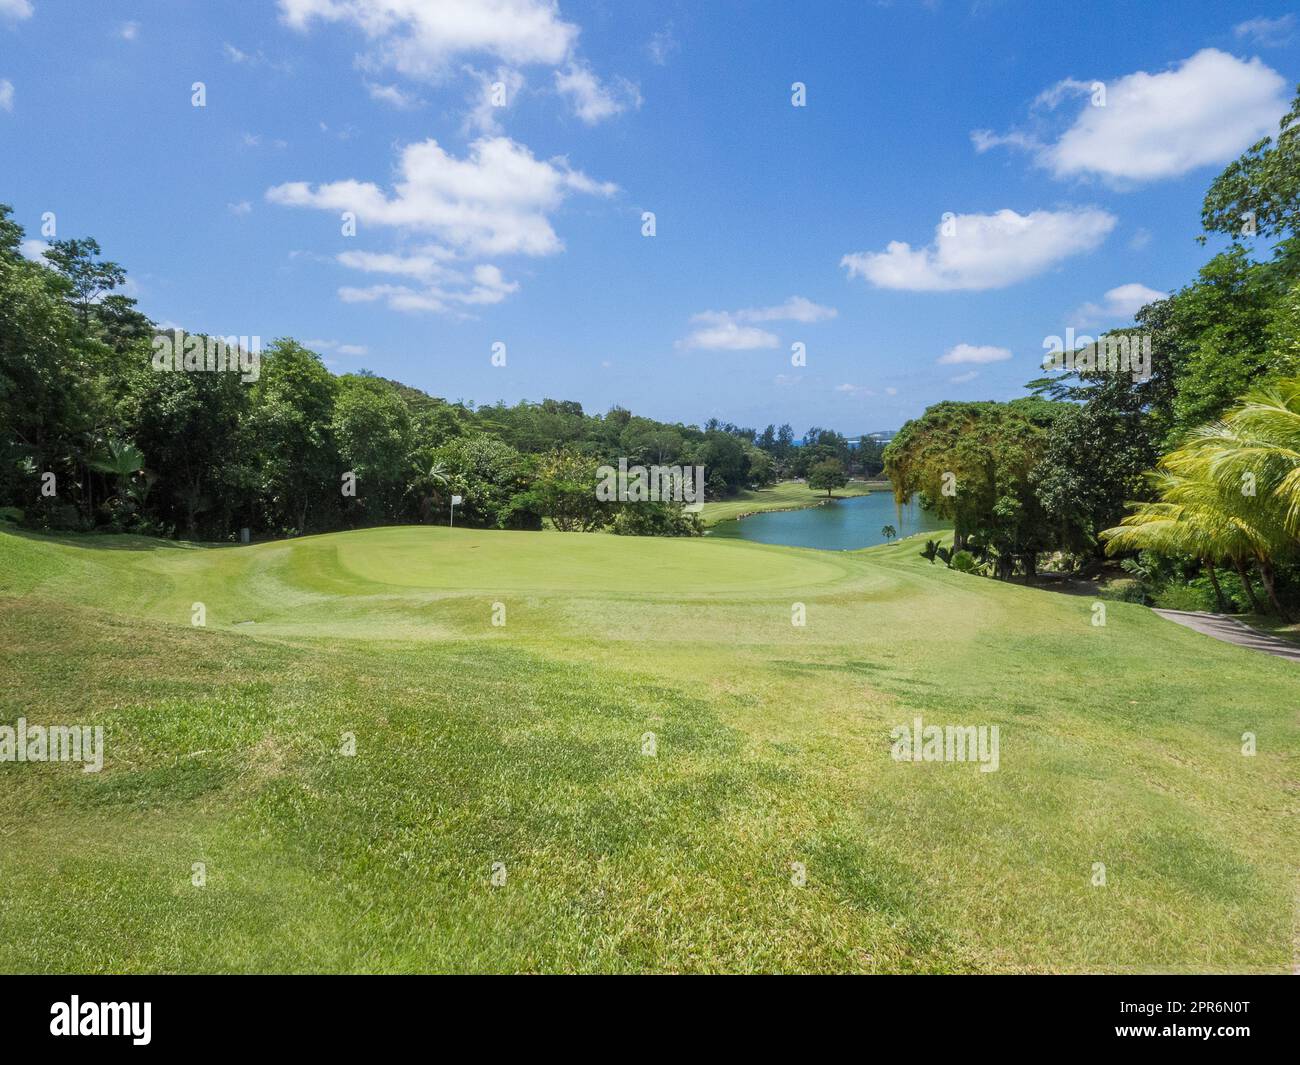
428	484
1173	529
1253	456
1257	445
888	532
123	460
1196	516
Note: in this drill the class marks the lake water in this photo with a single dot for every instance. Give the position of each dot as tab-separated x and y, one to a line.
840	525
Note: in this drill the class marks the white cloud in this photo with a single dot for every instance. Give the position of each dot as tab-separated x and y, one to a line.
891	391
1268	32
256	140
662	45
335	346
424	39
856	391
129	31
6	94
393	96
444	286
1118	304
593	101
420	38
795	309
720	332
243	207
984	139
16	9
487	287
496	201
1140	239
484	115
34	250
253	59
964	378
983	251
734	331
427	263
1206	110
979	354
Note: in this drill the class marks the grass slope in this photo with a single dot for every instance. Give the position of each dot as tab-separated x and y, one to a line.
522	744
788	495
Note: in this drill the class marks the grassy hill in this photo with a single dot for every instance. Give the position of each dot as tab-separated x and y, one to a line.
787	495
522	744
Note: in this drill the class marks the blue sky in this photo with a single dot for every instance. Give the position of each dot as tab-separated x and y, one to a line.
522	224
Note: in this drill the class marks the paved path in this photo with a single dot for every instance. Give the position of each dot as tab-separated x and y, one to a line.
1230	630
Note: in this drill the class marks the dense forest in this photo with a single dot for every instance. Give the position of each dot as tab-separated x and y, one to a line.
96	432
1193	468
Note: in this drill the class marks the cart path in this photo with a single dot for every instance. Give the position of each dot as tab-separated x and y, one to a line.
1230	630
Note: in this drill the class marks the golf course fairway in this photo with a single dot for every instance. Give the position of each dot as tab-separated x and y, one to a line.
418	749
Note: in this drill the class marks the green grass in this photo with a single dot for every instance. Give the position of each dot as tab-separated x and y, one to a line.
522	744
1273	625
788	495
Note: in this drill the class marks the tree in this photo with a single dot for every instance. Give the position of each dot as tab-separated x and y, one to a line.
1262	186
1095	458
431	479
372	428
298	467
1232	491
565	492
193	429
1205	532
88	276
828	474
495	481
975	464
57	384
888	532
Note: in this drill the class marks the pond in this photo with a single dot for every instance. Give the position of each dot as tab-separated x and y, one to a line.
840	525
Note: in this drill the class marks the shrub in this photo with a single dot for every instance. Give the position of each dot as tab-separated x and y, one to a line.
1124	590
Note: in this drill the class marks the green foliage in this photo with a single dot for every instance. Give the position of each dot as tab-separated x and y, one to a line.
963	562
566	492
1263	182
828	474
655	519
973	463
931	549
372	428
1223	333
1231	493
494	480
290	423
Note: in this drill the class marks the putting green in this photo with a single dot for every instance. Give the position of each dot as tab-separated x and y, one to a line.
455	559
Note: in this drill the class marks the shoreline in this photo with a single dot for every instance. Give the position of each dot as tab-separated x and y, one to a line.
814	501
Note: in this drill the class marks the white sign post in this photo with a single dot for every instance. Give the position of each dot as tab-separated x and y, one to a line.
455	502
